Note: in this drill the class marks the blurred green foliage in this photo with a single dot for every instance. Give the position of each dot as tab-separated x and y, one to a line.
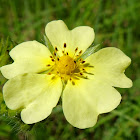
116	23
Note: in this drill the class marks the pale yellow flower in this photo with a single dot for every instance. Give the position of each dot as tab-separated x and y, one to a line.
38	78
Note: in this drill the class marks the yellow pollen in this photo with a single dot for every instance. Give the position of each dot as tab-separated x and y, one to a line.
65	65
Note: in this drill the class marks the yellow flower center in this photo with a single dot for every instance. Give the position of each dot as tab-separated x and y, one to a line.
65	65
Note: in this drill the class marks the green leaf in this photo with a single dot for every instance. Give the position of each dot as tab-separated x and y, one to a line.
48	44
90	50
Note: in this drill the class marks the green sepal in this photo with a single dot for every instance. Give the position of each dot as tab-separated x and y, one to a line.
49	44
5	47
90	50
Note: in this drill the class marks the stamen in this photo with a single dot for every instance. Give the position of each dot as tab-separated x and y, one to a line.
76	49
56	49
51	57
64	48
49	73
81	73
71	73
52	60
48	65
80	52
57	58
74	61
54	53
83	62
67	53
65	45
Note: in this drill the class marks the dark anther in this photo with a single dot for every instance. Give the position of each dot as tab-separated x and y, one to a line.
66	65
48	65
80	52
62	51
57	58
74	61
51	57
49	73
54	54
53	60
83	62
81	73
76	49
64	45
56	49
67	53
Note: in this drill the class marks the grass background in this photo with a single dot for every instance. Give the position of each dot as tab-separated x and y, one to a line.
116	23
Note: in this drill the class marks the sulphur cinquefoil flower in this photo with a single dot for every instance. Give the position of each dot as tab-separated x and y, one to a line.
39	77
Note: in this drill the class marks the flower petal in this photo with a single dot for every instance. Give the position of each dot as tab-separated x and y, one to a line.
109	66
37	94
30	56
84	101
80	37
